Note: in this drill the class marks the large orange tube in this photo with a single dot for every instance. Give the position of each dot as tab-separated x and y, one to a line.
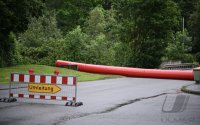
131	72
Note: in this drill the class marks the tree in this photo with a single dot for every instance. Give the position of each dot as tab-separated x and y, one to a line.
41	42
96	22
40	31
71	13
187	7
102	30
146	26
195	29
14	16
178	48
74	47
122	54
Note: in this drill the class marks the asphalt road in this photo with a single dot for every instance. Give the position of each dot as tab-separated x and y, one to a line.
128	101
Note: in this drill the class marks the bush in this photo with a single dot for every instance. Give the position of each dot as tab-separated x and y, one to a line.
188	58
41	41
178	48
197	57
74	46
13	55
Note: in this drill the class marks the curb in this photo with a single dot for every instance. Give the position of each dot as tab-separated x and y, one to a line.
186	90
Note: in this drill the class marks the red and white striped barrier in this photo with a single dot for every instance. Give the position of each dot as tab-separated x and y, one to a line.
43	84
47	97
48	79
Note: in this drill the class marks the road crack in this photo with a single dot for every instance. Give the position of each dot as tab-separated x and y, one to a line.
108	110
111	109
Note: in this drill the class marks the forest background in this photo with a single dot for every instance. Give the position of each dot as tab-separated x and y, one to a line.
132	33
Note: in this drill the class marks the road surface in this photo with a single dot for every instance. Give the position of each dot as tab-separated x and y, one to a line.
129	101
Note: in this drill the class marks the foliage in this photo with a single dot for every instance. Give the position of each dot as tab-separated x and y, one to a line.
197	56
14	16
99	51
40	42
135	33
96	23
123	53
14	57
71	13
177	48
40	31
195	29
186	7
102	31
188	58
74	47
146	26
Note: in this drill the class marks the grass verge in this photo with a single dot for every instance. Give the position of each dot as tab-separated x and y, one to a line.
42	69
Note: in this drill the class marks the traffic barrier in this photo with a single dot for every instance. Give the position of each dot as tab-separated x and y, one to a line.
48	87
130	72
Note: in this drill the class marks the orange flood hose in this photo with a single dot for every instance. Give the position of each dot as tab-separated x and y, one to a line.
131	72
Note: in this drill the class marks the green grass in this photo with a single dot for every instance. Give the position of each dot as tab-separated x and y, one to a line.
42	69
